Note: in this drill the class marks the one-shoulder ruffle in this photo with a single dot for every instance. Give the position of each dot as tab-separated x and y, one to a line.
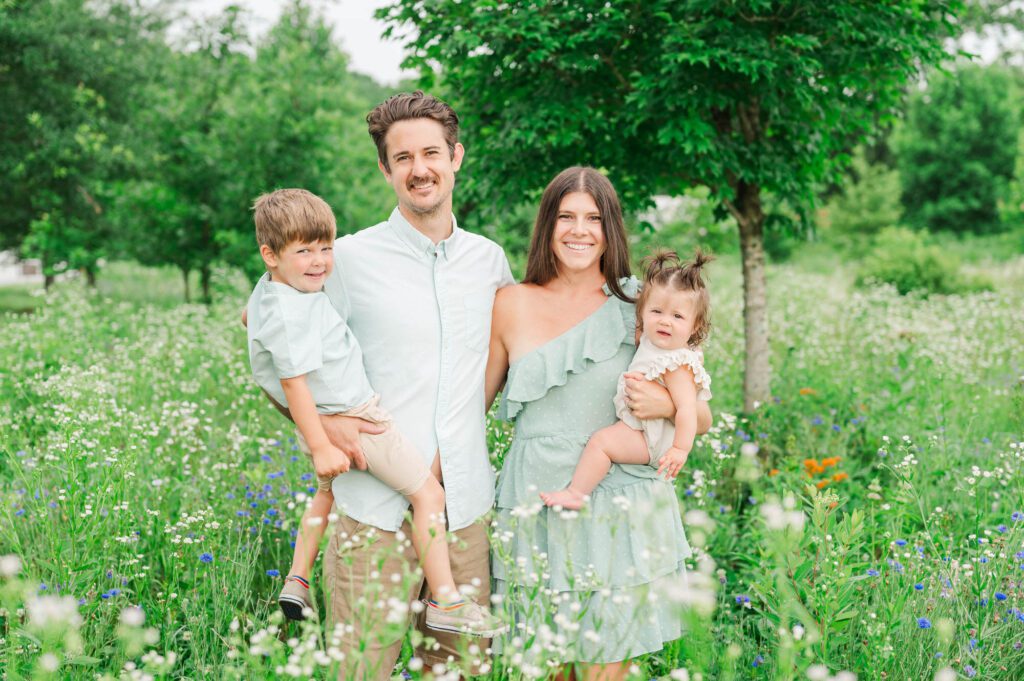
595	339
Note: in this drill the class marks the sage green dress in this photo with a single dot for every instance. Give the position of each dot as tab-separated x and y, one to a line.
594	586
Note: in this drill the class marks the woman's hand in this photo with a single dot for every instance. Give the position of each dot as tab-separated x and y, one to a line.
648	399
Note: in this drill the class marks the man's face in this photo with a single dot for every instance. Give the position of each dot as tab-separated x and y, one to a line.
422	171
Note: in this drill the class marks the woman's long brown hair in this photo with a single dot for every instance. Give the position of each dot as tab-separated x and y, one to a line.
541	264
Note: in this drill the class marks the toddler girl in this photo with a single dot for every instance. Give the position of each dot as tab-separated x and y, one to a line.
672	321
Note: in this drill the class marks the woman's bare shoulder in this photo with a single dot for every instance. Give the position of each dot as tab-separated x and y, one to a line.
512	297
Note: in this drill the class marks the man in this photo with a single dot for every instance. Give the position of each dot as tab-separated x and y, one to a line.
417	292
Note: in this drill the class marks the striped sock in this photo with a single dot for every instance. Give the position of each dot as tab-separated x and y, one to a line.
447	607
301	580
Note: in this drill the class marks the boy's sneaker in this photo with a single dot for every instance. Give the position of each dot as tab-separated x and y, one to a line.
294	598
466	618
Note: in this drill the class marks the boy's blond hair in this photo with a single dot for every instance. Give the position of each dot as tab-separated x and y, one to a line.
287	215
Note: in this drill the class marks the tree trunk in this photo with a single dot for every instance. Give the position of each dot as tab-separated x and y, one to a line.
90	276
184	277
757	369
204	281
48	281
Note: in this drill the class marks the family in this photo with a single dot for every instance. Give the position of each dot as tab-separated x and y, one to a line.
387	347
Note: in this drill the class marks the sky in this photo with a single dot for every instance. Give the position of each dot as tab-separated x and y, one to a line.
354	27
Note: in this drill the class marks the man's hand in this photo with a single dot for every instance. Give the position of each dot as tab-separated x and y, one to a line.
343	432
648	399
329	461
672	462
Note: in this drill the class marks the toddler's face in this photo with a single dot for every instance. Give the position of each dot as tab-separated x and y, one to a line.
668	317
304	266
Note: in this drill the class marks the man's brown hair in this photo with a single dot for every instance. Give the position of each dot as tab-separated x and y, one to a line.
288	215
541	263
405	106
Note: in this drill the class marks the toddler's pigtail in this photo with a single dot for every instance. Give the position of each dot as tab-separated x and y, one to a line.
658	262
691	272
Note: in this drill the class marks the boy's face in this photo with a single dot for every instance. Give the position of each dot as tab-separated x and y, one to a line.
304	267
422	170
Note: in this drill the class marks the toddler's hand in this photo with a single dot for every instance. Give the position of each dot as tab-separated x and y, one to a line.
672	462
329	462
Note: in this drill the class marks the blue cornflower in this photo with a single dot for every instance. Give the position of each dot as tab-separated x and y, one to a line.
1002	528
924	623
20	512
918	587
973	643
1000	596
115	592
1017	516
266	457
872	573
205	557
817	421
273	573
104	595
757	661
970	671
983	560
242	514
835	427
982	602
742	599
689	492
982	540
752	501
306	476
938	655
901	542
271	512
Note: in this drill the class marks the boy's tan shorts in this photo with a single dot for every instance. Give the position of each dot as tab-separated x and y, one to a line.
389	456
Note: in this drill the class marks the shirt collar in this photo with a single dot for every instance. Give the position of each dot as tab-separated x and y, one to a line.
420	243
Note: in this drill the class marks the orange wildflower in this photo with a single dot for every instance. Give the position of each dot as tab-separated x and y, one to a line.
821	484
773	472
808	391
831	461
839	477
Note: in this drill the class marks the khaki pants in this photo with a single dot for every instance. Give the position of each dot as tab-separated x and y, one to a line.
364	597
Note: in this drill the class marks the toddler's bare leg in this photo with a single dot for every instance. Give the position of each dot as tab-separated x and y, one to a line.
615	444
430	541
307	542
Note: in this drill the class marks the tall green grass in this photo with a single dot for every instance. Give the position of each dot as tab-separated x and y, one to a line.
870	518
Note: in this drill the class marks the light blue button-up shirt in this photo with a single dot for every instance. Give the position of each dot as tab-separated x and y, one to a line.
422	315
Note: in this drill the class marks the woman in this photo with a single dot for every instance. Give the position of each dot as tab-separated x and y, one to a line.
584	587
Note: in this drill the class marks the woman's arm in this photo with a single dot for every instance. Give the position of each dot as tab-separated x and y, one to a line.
497	358
328	460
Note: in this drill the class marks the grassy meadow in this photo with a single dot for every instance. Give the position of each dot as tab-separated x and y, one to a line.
869	520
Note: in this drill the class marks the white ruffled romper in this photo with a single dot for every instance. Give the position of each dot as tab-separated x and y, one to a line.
652	362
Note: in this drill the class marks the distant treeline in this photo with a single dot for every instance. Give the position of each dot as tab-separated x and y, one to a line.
118	140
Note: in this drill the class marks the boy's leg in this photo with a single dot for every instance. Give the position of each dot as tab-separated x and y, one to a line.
307	542
617	443
358	567
471	567
429	540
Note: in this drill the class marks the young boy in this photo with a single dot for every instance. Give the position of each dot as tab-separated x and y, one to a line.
307	359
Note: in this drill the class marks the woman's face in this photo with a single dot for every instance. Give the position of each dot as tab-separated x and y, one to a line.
578	239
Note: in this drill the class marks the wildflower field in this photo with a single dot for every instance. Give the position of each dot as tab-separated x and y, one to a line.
869	520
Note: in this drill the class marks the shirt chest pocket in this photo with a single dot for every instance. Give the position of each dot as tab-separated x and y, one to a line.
476	315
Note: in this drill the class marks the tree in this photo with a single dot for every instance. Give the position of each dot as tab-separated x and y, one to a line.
956	152
743	97
68	70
